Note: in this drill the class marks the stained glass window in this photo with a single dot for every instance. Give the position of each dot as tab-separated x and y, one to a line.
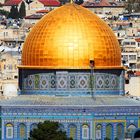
109	131
120	131
22	131
72	131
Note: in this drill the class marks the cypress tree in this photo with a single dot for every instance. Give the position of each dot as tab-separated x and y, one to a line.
16	13
22	10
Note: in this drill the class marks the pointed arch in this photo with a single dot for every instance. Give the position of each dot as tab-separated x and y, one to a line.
22	131
109	131
99	131
9	131
120	131
85	131
33	126
73	131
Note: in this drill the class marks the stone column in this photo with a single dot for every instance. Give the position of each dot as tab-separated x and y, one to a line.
15	130
28	129
114	130
103	130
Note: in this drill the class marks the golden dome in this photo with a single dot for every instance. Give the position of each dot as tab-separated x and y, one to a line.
69	37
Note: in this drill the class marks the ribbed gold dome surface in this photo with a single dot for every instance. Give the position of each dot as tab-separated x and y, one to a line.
69	37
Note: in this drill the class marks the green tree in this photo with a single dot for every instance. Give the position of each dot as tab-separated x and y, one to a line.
48	131
22	10
13	12
132	6
3	12
78	1
62	2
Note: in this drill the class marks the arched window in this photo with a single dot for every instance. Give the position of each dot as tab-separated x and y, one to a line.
120	132
22	131
33	126
130	128
72	131
99	132
85	131
9	131
109	131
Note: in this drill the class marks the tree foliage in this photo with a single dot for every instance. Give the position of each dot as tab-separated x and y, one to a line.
48	131
64	1
13	12
78	1
133	6
3	12
22	10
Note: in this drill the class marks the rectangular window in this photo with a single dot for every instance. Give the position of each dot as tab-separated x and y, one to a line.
126	43
132	57
85	133
9	132
133	43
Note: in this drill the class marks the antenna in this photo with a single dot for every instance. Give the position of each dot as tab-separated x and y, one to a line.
91	78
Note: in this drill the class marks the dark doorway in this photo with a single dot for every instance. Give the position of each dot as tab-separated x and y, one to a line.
137	134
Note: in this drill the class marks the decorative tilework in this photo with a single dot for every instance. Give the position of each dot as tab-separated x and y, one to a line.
72	81
107	81
99	81
36	81
113	81
52	81
44	81
31	81
62	81
76	82
83	81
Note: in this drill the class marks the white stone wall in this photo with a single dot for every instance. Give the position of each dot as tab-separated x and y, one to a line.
134	86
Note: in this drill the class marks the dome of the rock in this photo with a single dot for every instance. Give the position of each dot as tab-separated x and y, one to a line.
69	37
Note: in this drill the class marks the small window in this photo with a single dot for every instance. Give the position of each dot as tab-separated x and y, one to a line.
9	131
5	67
85	132
15	77
133	43
126	43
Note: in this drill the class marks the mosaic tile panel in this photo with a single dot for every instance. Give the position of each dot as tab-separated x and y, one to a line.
72	81
113	82
107	81
52	81
31	81
36	81
44	81
62	81
69	81
83	81
100	81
